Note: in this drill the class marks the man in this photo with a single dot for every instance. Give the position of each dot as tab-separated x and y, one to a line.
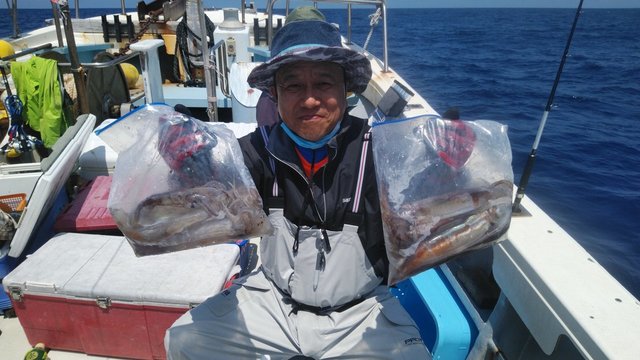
320	291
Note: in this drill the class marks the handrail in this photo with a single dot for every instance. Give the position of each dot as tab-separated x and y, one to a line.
100	65
27	52
222	66
96	65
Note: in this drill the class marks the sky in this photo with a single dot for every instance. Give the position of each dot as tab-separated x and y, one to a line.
131	4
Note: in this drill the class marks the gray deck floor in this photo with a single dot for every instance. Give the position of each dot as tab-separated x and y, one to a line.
14	344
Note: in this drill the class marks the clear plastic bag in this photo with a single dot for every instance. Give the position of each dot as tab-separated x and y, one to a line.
183	184
445	187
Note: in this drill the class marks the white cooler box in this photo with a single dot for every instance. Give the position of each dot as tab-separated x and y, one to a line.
90	293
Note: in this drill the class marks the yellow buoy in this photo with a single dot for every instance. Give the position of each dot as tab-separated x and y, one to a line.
6	49
130	73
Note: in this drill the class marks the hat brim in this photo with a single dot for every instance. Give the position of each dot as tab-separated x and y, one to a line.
357	68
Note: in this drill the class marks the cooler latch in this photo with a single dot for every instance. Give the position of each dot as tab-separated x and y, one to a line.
103	302
15	292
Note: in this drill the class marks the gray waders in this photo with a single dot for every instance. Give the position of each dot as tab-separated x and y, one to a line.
316	294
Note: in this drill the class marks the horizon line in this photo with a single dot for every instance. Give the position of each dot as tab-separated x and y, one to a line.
364	8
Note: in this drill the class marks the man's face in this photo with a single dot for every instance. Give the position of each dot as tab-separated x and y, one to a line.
311	97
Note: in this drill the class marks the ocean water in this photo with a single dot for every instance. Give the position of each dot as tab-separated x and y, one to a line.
500	64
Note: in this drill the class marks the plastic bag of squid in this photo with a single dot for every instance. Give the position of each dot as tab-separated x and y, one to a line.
182	184
445	188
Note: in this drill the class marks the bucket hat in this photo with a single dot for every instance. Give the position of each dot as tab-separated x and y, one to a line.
304	13
311	40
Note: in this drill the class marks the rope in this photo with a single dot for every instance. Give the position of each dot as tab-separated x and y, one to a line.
144	26
374	19
7	219
19	141
13	104
182	49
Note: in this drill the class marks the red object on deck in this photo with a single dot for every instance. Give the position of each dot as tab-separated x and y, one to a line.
88	212
89	293
122	330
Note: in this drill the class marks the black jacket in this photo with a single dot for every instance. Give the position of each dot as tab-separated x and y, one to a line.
338	179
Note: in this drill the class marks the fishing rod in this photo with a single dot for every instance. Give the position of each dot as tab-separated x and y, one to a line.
524	180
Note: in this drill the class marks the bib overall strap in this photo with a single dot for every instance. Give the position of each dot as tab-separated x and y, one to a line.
355	215
363	164
265	137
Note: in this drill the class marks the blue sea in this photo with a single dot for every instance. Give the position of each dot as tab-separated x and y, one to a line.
500	64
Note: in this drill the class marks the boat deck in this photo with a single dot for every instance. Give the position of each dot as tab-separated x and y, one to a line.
14	344
555	300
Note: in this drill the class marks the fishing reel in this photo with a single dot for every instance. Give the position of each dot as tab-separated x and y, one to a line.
22	143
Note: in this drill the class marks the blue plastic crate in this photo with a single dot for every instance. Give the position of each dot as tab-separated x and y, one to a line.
445	327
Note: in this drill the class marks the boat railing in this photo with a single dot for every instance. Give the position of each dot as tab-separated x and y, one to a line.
123	8
100	65
5	62
378	3
26	52
218	55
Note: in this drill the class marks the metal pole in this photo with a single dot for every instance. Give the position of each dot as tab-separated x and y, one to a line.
385	54
123	7
212	100
150	64
14	15
77	9
56	21
349	23
270	21
76	68
243	8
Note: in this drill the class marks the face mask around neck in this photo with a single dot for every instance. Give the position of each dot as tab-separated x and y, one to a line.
310	144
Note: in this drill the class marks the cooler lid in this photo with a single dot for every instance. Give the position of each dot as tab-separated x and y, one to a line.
46	271
89	266
178	278
56	170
